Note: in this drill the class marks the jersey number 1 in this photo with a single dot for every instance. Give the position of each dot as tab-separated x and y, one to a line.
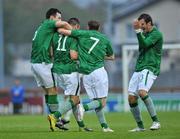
94	44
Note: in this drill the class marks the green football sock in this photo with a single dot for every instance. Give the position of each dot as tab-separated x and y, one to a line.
93	105
137	114
101	118
150	107
52	103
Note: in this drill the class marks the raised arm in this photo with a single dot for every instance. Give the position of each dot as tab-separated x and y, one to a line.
64	31
63	24
149	41
145	42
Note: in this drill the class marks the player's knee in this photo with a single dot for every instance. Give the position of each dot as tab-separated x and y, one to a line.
75	99
52	91
142	93
132	99
103	102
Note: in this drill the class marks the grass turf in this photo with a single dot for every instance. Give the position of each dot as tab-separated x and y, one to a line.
37	127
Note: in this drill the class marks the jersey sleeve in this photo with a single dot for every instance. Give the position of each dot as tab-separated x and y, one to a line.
78	33
74	44
148	41
109	50
51	24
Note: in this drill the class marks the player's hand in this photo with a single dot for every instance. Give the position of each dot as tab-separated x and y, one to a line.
136	24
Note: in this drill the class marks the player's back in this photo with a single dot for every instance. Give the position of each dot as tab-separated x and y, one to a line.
62	45
93	47
41	42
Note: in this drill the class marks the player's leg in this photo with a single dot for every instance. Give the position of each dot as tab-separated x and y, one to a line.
44	78
133	102
66	117
53	103
101	117
134	108
89	83
70	85
144	87
78	113
39	80
96	85
101	89
46	97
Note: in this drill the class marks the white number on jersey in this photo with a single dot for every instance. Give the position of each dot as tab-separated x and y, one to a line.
94	45
35	34
59	43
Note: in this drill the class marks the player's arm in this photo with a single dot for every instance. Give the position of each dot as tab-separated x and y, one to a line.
64	31
145	42
74	49
63	24
109	52
73	33
148	41
74	54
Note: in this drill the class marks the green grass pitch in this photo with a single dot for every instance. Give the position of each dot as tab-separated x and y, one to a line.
37	127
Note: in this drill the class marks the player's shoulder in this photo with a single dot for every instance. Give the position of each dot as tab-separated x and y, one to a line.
156	34
103	37
156	31
48	21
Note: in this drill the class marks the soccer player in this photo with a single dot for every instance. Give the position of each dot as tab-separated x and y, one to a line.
94	48
66	75
146	71
41	63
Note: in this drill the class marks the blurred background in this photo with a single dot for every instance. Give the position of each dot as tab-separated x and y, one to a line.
19	19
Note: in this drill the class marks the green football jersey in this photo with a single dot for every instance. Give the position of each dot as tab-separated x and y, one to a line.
41	42
63	64
93	47
150	51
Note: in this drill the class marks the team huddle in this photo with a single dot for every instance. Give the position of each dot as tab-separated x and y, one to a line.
63	55
76	54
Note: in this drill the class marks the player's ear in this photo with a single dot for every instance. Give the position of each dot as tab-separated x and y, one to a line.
78	26
149	24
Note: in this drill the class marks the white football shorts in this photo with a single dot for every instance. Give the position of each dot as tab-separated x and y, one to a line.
142	80
42	74
70	83
96	83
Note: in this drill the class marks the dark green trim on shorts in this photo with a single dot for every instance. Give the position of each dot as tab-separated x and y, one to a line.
146	77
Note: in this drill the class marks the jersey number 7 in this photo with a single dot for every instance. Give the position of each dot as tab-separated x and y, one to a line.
94	44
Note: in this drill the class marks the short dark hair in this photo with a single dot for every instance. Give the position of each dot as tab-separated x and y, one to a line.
52	11
147	18
74	21
93	25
